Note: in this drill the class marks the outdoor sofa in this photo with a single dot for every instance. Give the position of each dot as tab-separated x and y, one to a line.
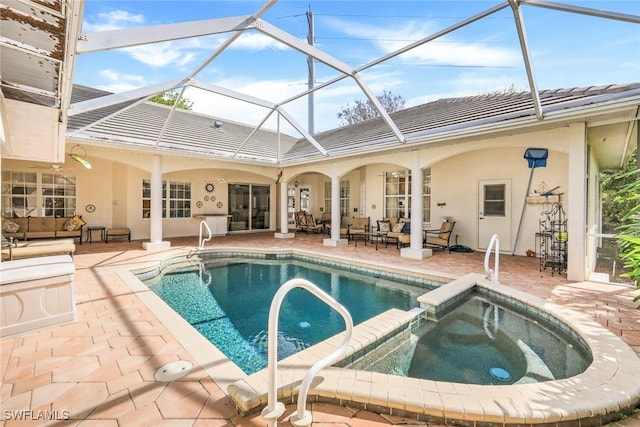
29	228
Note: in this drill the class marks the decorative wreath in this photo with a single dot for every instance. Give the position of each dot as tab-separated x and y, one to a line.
209	187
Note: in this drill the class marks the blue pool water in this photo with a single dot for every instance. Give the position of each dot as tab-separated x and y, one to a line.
232	310
482	342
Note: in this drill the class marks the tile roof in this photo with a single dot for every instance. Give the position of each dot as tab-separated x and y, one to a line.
141	124
448	114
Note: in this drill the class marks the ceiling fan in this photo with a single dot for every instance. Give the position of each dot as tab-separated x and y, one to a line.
54	167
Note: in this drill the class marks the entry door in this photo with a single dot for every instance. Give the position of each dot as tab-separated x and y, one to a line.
494	213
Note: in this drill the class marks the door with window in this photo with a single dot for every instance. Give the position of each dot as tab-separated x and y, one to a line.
494	213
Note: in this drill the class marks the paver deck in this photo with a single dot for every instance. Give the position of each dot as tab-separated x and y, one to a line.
100	369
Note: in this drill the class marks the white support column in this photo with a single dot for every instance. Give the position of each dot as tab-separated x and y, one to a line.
415	250
155	222
335	239
576	205
284	214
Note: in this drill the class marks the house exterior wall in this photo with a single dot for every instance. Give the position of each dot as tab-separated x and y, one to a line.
455	182
114	183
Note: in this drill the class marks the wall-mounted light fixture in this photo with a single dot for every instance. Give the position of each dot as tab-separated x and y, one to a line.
78	158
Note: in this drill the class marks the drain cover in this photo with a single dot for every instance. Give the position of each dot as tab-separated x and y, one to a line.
173	371
500	374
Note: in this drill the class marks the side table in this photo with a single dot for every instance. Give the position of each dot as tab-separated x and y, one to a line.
93	228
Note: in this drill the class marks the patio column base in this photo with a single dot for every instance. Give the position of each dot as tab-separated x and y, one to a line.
284	235
156	246
421	253
335	243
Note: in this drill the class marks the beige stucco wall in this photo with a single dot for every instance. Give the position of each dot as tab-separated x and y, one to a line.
455	181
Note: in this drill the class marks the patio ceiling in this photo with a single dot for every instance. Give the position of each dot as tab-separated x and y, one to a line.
40	41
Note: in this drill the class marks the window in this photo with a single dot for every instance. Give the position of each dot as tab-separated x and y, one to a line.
345	196
494	200
397	190
327	196
58	195
397	194
426	194
38	194
178	199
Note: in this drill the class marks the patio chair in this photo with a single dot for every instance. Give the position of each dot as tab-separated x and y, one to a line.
301	221
439	238
358	225
312	225
345	223
13	249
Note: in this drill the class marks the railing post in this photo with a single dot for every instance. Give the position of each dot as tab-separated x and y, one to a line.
275	409
493	273
200	239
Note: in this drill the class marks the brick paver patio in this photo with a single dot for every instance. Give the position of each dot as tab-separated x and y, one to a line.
99	371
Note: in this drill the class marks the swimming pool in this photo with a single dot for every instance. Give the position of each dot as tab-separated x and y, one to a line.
604	391
227	301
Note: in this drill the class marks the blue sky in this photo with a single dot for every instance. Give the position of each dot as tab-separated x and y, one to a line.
567	50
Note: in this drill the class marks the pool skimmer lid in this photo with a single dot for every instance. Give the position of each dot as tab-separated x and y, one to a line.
173	371
500	374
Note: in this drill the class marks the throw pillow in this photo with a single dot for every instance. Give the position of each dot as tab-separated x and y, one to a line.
79	222
407	228
71	225
397	228
384	226
10	227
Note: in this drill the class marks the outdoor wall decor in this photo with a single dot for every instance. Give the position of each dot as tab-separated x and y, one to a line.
209	187
199	203
219	204
90	208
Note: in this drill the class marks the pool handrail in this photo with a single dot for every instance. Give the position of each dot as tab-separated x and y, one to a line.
493	272
201	241
275	409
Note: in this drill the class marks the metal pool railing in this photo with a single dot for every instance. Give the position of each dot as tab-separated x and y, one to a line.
493	272
201	240
275	409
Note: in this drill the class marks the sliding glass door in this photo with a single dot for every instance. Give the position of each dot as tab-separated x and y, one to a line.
249	206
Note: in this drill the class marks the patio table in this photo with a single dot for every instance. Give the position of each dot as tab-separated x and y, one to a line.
377	236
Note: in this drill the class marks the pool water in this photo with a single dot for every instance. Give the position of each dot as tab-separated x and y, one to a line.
482	342
232	310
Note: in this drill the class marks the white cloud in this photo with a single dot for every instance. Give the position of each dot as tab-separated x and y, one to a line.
176	54
251	40
119	82
443	50
113	20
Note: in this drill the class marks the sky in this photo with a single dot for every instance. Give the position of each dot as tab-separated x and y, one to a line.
567	50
